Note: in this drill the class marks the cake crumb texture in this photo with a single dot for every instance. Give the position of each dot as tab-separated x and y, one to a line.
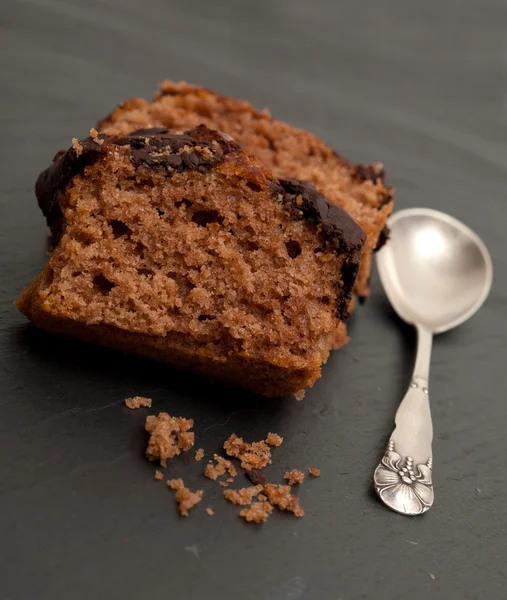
257	512
138	402
186	498
199	455
258	499
281	496
169	436
294	477
243	496
221	467
273	439
255	455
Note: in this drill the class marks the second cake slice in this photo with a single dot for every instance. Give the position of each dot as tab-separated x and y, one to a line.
287	151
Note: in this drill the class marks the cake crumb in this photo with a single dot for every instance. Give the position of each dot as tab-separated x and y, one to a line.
244	496
175	484
255	455
199	455
78	149
294	477
230	480
280	495
315	472
223	466
223	483
300	395
186	498
210	511
169	436
258	512
274	439
158	475
95	136
138	402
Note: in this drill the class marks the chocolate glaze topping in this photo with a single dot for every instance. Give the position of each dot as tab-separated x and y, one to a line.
52	181
340	231
198	149
382	238
373	173
369	173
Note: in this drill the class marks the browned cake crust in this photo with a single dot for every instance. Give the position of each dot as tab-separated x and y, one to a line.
285	150
184	248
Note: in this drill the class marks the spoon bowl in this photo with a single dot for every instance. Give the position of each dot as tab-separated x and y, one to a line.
435	271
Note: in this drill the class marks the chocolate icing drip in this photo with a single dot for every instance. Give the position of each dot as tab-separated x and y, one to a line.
339	231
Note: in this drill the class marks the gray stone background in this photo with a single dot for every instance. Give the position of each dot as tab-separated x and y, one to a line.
419	86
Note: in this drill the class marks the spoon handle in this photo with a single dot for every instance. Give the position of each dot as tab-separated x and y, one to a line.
403	479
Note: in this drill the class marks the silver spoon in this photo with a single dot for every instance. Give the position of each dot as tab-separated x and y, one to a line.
436	273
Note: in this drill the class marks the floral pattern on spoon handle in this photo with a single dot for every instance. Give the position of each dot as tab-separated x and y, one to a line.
403	479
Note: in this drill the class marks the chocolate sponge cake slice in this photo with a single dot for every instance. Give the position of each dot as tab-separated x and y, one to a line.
285	150
184	248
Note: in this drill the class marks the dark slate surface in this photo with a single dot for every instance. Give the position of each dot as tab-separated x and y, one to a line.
420	86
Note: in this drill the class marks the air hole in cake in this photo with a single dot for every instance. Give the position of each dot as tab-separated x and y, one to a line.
293	248
183	202
145	272
103	284
83	238
249	230
205	318
255	187
160	212
184	285
139	249
118	186
77	273
49	277
318	250
119	228
205	217
130	307
147	183
287	319
250	246
325	300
